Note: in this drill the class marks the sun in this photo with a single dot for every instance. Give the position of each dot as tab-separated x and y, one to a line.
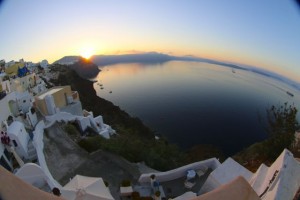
86	52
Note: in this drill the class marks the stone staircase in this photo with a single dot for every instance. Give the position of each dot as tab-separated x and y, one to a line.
31	152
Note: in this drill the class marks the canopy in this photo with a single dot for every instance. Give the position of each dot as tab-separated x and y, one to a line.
86	188
12	187
238	189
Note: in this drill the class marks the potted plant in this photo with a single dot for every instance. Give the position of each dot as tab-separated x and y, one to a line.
126	188
135	195
157	195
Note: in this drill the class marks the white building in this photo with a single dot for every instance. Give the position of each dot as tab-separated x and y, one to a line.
279	181
44	64
13	103
226	172
10	63
19	138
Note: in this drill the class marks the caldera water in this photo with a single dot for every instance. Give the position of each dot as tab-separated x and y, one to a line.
193	103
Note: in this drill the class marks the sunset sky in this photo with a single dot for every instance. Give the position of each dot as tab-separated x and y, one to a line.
263	33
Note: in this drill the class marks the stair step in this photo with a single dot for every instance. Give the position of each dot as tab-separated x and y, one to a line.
31	152
32	157
30	144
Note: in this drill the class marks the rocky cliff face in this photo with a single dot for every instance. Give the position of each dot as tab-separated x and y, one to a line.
112	114
85	68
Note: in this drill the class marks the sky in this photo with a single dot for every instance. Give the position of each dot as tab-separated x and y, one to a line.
262	33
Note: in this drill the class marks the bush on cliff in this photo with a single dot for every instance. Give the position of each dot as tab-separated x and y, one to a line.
282	124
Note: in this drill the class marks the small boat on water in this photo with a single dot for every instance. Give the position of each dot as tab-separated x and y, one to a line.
110	91
102	88
233	71
289	93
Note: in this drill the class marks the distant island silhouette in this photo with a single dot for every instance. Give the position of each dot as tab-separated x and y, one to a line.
160	58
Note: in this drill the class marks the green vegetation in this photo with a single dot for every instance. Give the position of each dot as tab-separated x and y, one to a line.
156	154
282	124
72	131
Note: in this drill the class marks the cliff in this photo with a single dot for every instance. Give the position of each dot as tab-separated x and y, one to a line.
90	70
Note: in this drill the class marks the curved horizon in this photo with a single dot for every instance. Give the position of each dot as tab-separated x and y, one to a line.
154	57
256	33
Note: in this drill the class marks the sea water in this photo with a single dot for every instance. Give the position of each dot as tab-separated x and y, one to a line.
194	103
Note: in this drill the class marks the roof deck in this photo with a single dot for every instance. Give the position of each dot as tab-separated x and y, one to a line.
175	188
51	91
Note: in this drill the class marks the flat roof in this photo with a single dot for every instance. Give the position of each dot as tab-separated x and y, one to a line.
52	91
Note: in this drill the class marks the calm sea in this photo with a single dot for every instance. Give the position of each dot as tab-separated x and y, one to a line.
194	103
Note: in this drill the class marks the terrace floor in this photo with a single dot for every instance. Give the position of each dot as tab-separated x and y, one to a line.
176	187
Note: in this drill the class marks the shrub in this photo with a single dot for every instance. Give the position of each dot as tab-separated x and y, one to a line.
282	124
157	193
91	144
71	130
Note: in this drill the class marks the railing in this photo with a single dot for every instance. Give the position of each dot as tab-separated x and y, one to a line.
212	163
39	146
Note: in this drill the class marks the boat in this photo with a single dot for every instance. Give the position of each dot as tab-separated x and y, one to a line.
289	93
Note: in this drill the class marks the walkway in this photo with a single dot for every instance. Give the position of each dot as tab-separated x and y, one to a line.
176	187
